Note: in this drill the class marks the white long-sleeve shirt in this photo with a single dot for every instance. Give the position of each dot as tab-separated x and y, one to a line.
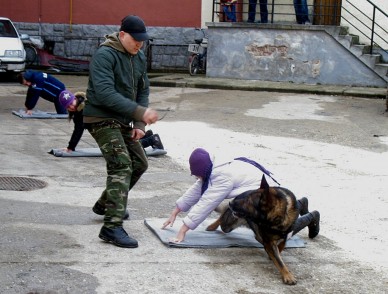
227	181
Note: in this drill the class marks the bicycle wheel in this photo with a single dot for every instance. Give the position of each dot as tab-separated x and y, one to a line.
31	54
194	65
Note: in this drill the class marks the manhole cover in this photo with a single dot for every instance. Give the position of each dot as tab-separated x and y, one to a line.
20	184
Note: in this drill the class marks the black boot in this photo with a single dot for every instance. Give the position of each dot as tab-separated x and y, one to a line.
117	236
314	225
146	142
98	209
310	220
303	206
156	142
148	134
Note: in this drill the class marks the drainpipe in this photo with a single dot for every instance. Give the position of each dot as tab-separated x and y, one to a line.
40	17
71	15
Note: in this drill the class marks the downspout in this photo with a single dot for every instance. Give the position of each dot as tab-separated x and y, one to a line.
71	15
40	17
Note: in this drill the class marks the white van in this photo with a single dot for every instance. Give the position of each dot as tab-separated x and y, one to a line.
12	53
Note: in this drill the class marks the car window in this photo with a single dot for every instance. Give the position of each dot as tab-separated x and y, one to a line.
7	29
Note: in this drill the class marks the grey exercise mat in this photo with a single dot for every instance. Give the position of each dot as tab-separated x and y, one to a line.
200	238
38	114
96	152
81	152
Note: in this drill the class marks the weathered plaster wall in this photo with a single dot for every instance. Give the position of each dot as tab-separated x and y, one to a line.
272	53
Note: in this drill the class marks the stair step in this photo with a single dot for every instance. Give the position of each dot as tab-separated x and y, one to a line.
370	59
360	49
382	69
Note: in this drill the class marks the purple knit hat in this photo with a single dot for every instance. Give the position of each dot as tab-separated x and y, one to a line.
201	166
66	98
199	162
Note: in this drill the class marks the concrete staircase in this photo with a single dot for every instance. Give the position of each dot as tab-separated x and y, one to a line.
377	61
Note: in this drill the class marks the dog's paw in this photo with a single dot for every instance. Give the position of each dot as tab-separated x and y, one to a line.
289	279
212	227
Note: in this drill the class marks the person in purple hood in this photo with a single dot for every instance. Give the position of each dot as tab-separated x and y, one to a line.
216	181
41	84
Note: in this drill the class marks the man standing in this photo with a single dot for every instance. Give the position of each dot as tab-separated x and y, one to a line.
301	12
115	114
41	84
263	11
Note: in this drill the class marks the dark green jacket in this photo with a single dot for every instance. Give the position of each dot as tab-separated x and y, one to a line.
118	85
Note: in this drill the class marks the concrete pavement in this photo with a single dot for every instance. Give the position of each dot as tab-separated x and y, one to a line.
201	81
332	148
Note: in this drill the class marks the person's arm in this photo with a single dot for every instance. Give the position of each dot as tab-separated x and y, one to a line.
181	234
185	202
77	132
32	98
219	188
143	89
172	218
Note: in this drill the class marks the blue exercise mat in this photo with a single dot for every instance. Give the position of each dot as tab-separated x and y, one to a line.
200	238
96	152
38	114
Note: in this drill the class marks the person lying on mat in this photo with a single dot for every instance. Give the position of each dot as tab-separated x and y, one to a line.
43	85
216	181
74	103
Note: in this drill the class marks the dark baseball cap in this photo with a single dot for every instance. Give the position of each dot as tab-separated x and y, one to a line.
134	26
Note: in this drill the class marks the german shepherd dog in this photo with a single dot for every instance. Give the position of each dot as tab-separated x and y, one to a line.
273	215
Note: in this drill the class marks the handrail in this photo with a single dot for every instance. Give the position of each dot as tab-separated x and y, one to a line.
327	13
378	8
374	25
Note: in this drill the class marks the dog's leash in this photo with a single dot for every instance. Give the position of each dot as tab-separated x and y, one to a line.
166	111
258	165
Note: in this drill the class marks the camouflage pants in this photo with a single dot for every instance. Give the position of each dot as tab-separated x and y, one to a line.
126	161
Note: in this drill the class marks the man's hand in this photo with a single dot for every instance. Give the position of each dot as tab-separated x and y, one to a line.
150	116
29	111
137	134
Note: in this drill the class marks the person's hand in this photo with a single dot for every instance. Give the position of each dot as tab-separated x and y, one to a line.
170	221
67	150
150	116
29	111
181	235
172	218
137	134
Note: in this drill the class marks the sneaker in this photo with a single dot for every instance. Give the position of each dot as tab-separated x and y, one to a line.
314	226
117	236
100	210
156	142
303	206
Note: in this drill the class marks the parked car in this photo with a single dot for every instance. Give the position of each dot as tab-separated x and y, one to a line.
12	53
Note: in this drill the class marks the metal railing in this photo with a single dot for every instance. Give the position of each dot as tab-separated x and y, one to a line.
365	24
322	12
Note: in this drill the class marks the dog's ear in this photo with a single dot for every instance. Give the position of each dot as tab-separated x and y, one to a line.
264	184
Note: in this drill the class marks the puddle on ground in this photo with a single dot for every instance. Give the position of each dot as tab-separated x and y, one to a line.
297	107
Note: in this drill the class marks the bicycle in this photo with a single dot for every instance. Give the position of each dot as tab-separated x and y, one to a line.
197	60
